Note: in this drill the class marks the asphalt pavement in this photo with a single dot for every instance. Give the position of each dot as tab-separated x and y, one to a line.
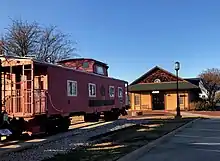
199	141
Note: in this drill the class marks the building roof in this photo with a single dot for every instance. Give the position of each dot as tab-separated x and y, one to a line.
161	86
140	84
194	81
74	59
150	71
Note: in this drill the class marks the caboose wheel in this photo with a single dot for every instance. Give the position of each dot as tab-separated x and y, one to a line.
111	115
91	117
17	127
64	124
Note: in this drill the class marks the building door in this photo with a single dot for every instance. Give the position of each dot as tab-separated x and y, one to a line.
158	101
145	101
137	102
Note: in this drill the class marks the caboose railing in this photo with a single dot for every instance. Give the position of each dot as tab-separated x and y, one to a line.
19	103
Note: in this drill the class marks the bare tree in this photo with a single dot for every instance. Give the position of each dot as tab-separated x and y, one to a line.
21	38
54	45
30	39
211	81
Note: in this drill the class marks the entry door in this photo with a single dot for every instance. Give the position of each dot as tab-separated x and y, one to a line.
158	101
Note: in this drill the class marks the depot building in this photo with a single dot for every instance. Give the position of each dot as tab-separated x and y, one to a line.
156	90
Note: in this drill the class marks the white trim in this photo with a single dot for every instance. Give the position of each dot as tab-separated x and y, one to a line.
118	92
74	82
109	91
89	89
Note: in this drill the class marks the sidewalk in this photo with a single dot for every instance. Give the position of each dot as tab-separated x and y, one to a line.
201	141
205	114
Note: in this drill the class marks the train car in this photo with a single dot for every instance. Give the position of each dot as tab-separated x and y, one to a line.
41	97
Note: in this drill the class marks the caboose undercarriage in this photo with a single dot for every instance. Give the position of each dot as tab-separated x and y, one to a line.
23	94
25	100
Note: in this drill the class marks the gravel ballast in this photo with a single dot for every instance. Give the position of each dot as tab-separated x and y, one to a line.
66	144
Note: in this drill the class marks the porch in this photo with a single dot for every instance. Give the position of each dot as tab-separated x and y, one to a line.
23	87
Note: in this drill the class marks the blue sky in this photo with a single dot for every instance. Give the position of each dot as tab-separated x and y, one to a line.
132	36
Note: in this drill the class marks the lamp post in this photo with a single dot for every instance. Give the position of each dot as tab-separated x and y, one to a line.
177	67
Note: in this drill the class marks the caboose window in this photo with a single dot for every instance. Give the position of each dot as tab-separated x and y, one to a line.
92	90
120	94
71	88
99	70
111	91
85	65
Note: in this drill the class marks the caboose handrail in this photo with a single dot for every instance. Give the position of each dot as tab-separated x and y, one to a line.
51	102
19	101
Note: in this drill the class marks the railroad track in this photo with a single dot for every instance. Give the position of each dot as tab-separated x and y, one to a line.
77	134
27	139
74	125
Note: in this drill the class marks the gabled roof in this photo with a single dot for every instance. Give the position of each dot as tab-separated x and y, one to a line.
150	71
184	84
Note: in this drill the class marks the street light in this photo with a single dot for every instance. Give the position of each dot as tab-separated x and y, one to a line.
177	67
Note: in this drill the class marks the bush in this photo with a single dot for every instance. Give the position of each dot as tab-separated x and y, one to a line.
201	106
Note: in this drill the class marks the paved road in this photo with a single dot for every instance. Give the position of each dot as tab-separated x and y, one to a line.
199	142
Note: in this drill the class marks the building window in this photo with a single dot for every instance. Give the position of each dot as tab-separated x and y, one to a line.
41	85
120	92
136	100
92	90
99	70
181	99
71	88
157	81
111	91
85	65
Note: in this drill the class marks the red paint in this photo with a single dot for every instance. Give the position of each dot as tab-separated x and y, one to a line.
78	64
57	88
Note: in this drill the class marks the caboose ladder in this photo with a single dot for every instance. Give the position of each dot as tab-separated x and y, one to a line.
29	101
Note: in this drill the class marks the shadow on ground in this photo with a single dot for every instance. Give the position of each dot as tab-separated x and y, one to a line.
117	144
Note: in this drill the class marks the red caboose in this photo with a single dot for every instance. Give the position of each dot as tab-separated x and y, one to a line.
41	97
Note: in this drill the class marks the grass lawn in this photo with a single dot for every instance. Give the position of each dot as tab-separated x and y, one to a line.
120	143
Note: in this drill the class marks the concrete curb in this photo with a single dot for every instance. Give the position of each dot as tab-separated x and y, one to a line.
141	151
189	114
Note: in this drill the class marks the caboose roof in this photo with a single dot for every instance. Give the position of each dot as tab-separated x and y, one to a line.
90	59
54	65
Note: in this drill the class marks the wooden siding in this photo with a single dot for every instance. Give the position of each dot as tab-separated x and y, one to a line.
169	101
146	101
